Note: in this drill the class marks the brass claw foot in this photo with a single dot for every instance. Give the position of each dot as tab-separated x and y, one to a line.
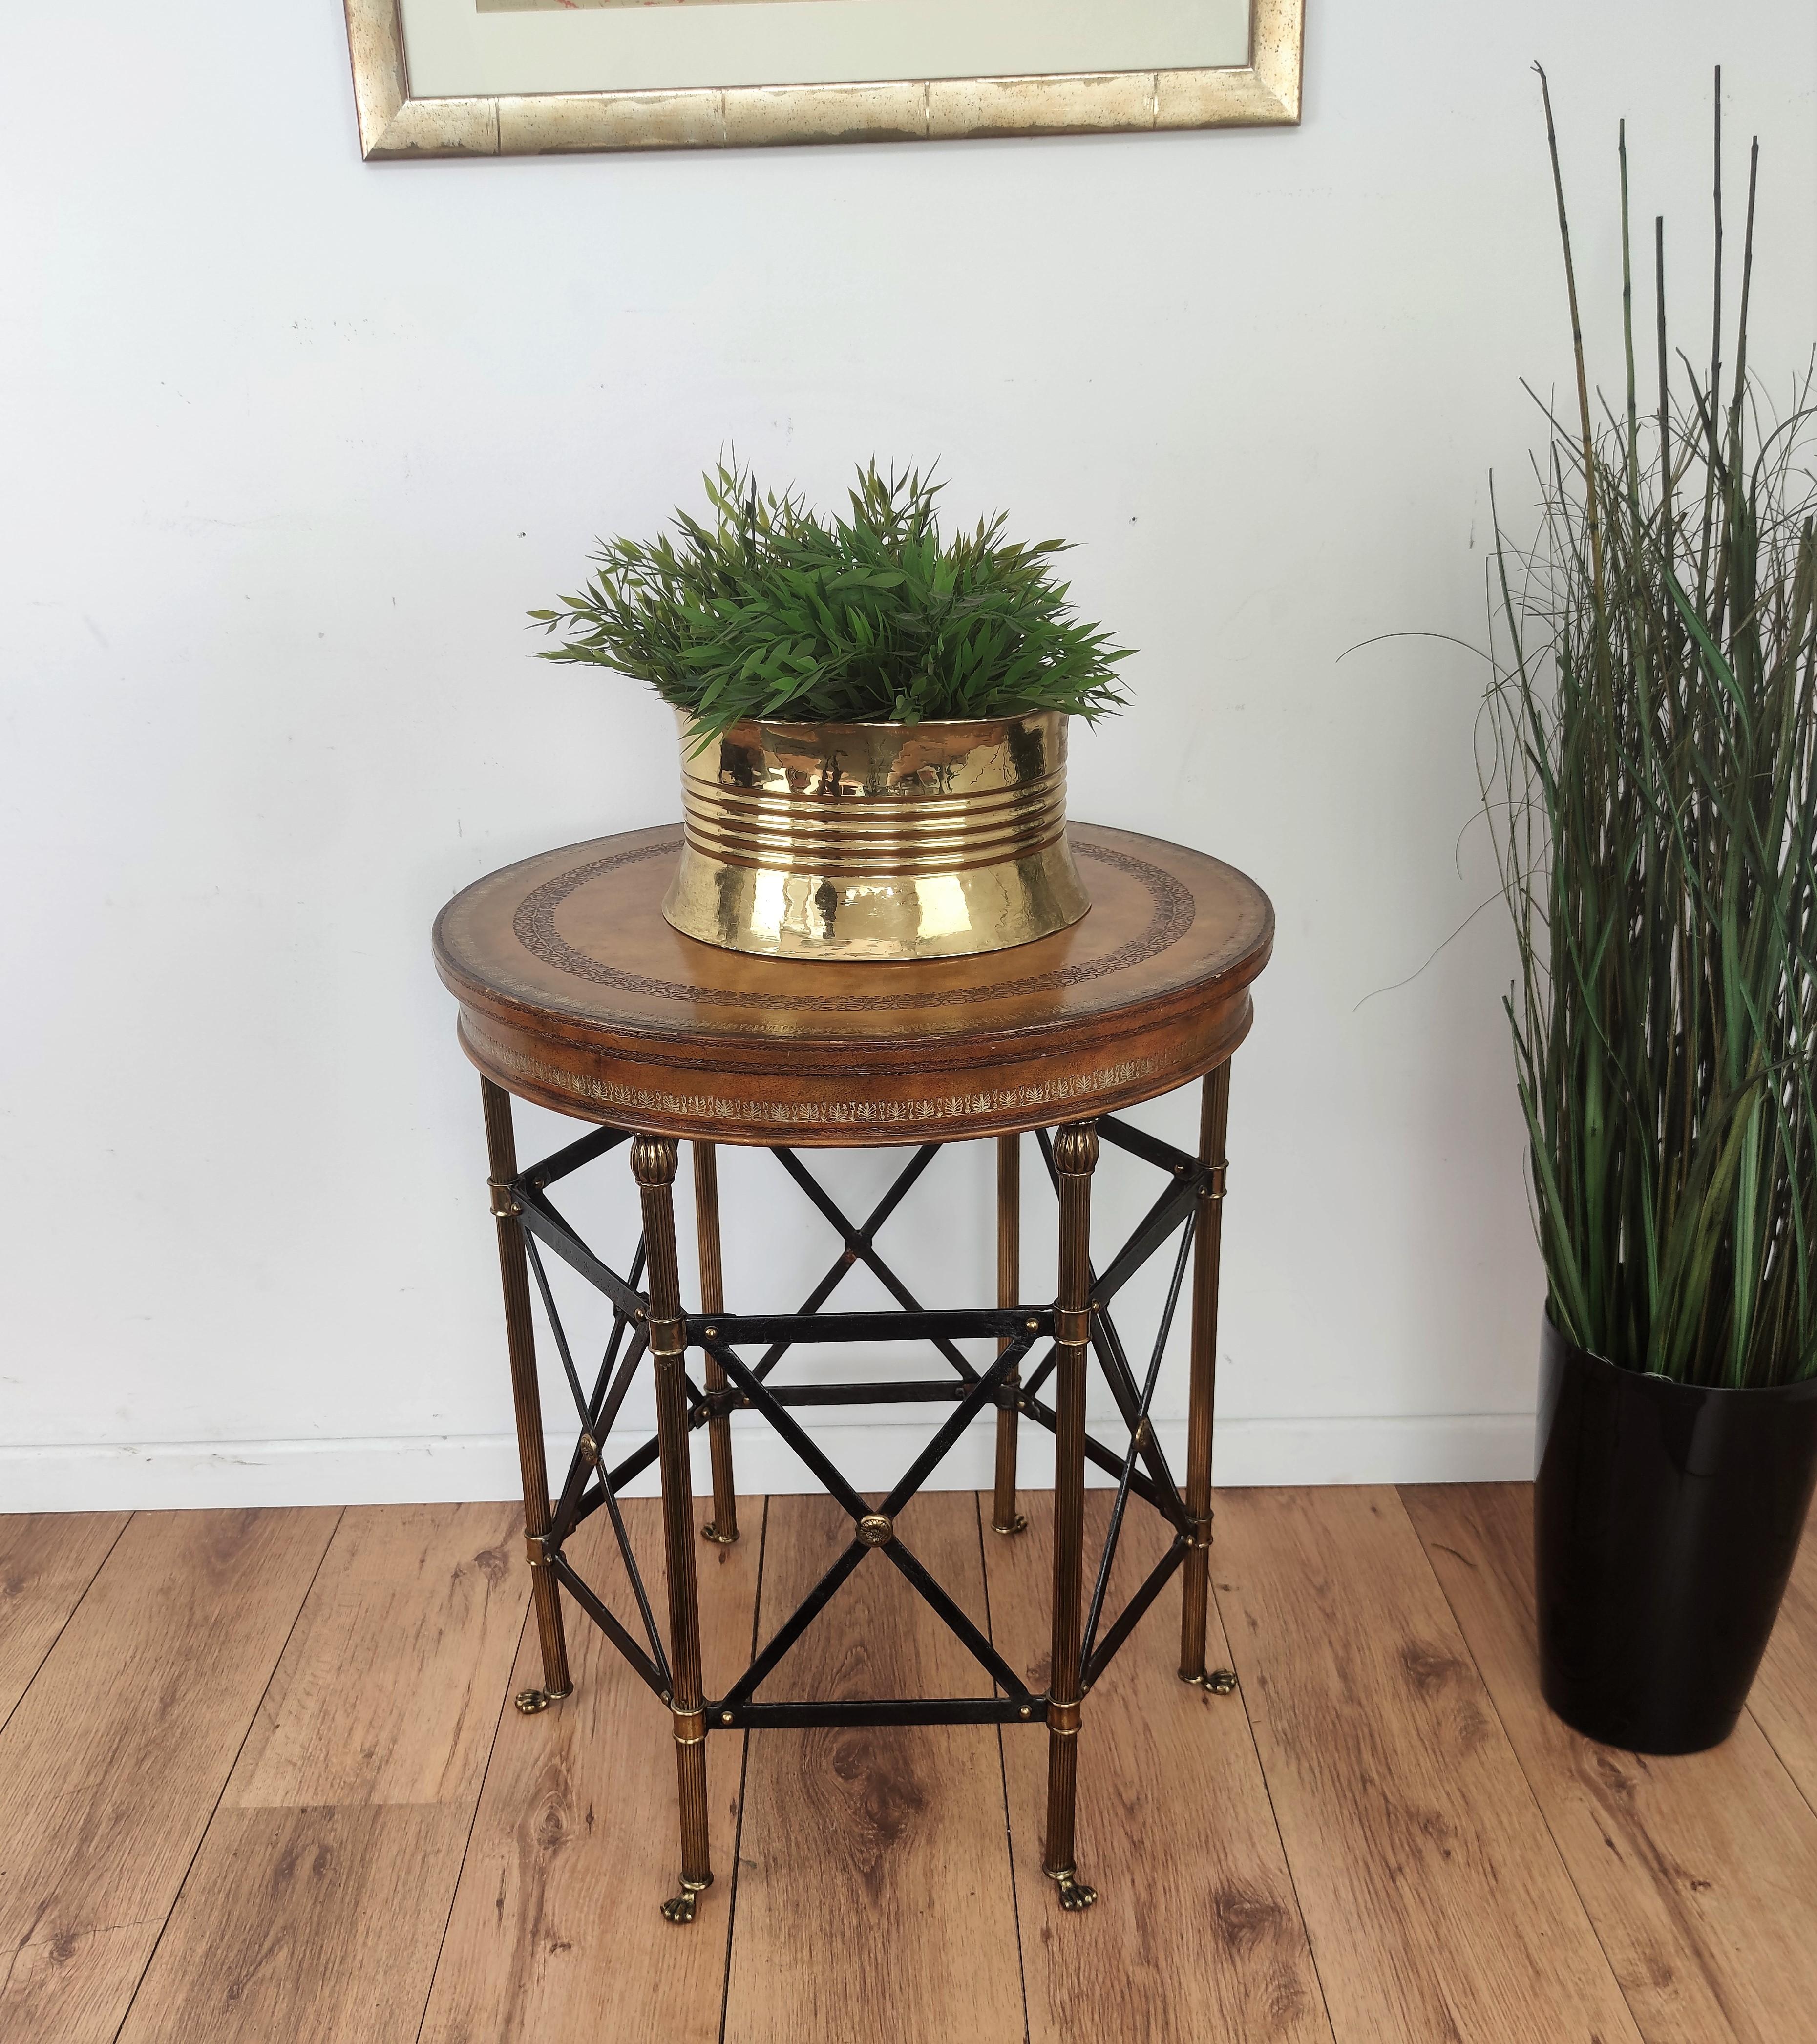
1220	1682
710	1531
1018	1524
680	1909
530	1701
1074	1893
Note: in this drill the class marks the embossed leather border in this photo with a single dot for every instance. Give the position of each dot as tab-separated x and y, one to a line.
534	927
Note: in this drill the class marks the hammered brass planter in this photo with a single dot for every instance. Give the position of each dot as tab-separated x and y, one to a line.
877	842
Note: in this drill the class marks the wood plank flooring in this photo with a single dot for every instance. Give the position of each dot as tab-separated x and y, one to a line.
1786	1690
47	1563
1197	1932
1413	1835
875	1896
554	1932
339	1837
1699	1874
113	1761
260	1780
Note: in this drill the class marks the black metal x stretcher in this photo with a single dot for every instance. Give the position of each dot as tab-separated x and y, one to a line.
522	1205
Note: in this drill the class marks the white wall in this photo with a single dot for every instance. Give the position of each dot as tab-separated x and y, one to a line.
294	441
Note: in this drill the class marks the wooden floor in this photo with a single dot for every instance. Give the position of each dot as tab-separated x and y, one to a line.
260	1780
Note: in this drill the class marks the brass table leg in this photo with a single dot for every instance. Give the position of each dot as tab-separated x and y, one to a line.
521	1338
653	1164
1075	1158
723	1526
1195	1576
1005	1518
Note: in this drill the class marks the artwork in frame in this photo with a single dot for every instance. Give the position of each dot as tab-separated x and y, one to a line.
487	78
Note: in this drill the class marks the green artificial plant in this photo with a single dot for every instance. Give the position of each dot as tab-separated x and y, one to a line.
768	610
1653	788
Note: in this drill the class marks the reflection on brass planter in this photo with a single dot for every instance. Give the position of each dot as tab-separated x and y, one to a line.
881	841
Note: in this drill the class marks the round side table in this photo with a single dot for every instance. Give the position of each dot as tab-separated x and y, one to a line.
575	994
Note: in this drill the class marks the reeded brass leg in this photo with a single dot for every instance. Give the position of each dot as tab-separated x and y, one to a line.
1196	1575
653	1164
723	1527
1075	1158
520	1339
1005	1518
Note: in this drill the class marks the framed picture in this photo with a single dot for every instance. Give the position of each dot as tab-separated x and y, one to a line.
515	78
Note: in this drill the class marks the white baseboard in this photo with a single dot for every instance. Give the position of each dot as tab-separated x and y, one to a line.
1437	1448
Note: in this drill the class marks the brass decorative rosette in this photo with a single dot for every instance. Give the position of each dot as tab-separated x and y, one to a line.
876	841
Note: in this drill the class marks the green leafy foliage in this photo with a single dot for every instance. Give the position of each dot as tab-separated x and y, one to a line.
1653	790
770	611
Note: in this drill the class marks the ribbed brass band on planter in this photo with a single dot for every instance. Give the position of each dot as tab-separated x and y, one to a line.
876	841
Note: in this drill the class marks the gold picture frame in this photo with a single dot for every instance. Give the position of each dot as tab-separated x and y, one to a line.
394	125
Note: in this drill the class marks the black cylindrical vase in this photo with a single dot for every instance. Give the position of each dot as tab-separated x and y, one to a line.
1666	1519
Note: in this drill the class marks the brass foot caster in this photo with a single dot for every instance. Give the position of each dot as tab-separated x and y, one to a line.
1074	1893
1220	1682
709	1531
680	1909
1018	1524
530	1701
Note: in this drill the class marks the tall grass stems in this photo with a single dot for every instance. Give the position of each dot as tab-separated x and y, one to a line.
1650	772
